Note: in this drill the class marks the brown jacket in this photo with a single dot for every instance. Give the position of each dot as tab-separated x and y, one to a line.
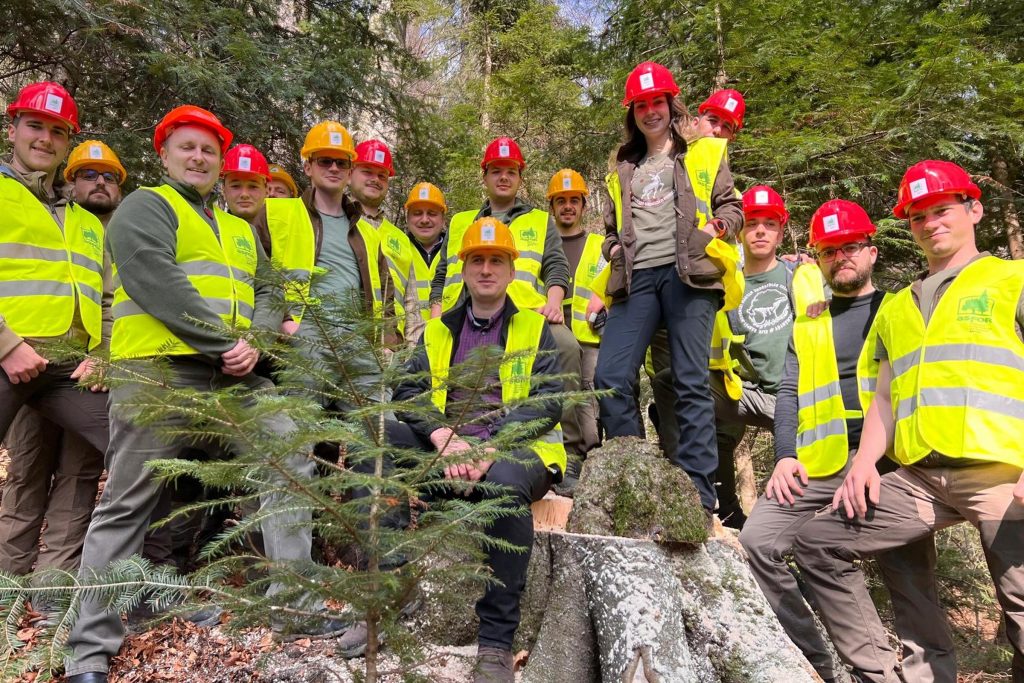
693	265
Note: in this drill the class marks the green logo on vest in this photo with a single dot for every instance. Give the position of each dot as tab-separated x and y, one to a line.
704	177
91	238
245	248
593	270
394	245
529	235
975	309
518	369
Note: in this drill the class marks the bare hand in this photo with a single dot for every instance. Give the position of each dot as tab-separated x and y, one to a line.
615	250
289	327
594	306
863	475
817	308
23	364
88	369
435	311
553	313
239	360
796	258
783	483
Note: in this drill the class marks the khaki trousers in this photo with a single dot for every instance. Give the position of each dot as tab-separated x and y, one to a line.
579	438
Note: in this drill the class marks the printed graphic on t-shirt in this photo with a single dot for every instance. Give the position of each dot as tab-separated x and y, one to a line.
765	308
655	180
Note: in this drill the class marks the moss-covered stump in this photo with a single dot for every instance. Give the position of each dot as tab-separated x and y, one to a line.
629	489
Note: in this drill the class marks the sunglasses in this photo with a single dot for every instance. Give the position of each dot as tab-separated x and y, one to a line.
326	162
91	174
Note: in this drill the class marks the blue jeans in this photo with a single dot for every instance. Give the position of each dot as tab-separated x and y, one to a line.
657	297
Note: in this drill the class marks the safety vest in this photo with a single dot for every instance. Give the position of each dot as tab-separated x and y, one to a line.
220	265
822	442
590	266
45	272
515	373
957	384
402	257
293	252
529	232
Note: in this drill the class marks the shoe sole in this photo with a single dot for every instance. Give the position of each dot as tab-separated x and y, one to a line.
292	637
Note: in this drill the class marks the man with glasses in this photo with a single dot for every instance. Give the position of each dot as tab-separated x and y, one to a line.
949	406
825	386
53	474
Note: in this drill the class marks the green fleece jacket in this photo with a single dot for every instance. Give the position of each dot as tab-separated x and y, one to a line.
143	239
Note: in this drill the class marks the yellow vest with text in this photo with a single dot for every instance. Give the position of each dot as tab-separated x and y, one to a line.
957	384
590	266
46	273
403	257
822	443
529	232
521	346
220	266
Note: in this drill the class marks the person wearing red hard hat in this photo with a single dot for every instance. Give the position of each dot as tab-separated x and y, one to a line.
721	115
665	202
371	175
830	358
949	407
51	291
246	174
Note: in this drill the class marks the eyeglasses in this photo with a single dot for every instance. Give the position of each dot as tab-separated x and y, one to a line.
91	174
849	251
326	162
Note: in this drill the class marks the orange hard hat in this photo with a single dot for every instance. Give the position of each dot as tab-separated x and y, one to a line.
426	193
728	104
564	181
933	178
190	115
246	160
503	149
762	200
97	154
328	136
49	99
648	79
375	153
278	173
488	233
839	220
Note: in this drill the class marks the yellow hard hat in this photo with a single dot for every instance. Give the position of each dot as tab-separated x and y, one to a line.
278	173
426	193
488	233
328	136
567	180
94	153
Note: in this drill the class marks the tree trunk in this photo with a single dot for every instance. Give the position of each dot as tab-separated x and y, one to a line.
1014	235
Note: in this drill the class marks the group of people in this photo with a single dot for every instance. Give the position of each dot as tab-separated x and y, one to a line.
687	277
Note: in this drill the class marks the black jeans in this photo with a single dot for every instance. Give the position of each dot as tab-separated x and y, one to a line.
526	480
658	297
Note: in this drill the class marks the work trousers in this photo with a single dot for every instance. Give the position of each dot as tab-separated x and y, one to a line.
908	572
914	502
588	411
131	494
53	474
576	435
657	297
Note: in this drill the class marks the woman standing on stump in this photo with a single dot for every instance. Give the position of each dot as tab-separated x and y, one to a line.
667	199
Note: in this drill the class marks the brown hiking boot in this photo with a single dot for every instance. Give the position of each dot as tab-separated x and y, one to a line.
493	665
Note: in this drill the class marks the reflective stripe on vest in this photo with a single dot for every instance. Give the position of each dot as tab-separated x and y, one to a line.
957	385
590	265
220	265
292	250
515	373
529	232
47	272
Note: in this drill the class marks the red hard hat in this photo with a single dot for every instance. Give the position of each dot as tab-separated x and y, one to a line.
503	149
49	99
931	179
246	160
728	104
839	220
762	200
190	115
649	78
375	153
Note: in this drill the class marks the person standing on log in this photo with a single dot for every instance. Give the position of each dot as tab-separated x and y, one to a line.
831	358
658	224
950	405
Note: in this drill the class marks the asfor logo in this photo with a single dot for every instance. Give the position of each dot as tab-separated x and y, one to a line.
245	248
91	238
975	309
528	235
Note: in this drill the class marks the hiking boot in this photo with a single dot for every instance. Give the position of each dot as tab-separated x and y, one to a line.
314	628
353	643
567	486
205	617
493	665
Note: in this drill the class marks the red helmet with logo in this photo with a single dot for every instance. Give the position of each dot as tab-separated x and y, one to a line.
49	99
728	104
190	115
503	149
246	160
839	220
648	79
929	179
762	200
375	153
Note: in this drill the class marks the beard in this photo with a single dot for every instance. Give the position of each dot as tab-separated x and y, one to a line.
852	280
98	203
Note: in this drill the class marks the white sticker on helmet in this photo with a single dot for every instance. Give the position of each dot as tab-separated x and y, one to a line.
918	187
503	151
487	232
761	197
646	81
424	193
54	103
731	104
831	223
244	164
378	156
95	152
566	182
335	137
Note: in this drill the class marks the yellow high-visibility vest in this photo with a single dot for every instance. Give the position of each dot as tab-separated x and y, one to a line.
529	232
957	384
521	347
403	257
45	271
220	265
590	266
